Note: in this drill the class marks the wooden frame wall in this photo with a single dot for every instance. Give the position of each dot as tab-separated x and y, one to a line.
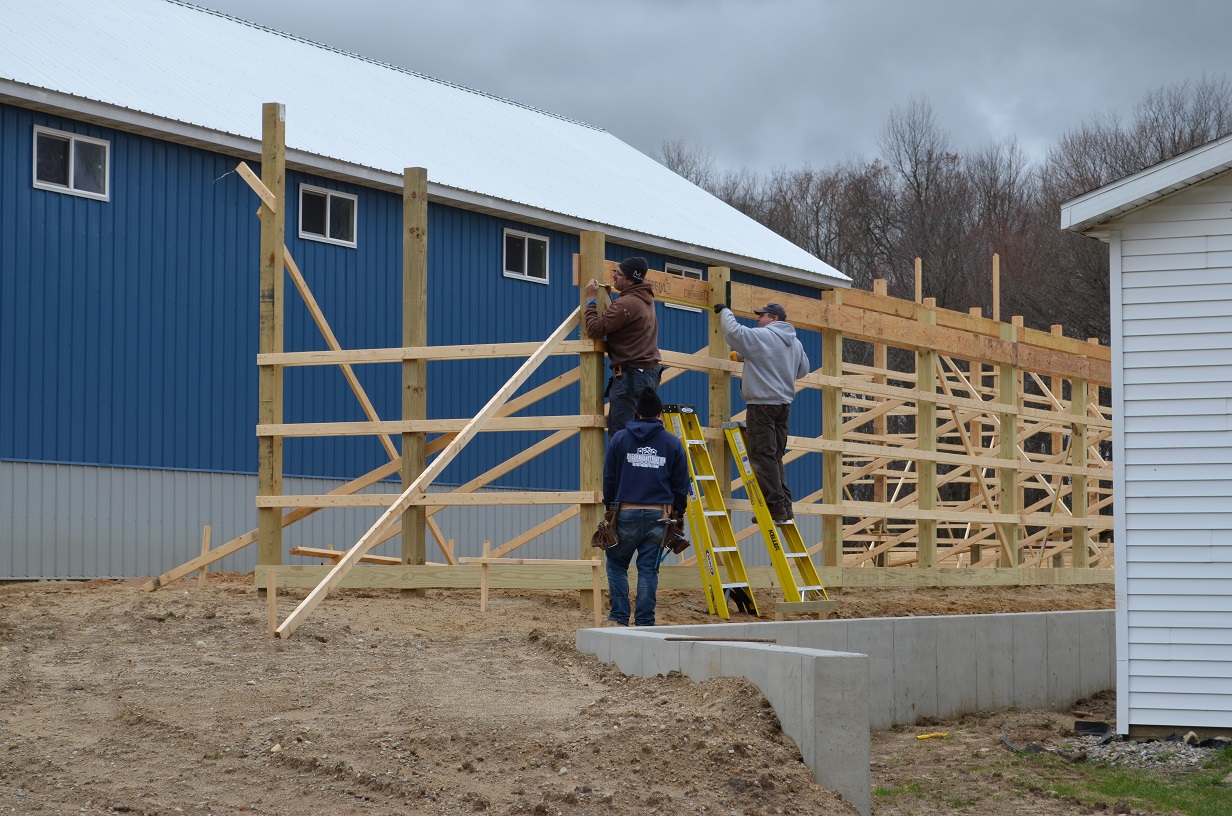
955	449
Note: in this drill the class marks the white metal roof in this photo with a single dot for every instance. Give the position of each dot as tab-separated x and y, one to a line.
1087	212
197	75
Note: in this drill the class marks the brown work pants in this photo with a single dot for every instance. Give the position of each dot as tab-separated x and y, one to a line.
766	428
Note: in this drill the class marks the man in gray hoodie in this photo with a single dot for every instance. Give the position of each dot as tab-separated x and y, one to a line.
773	361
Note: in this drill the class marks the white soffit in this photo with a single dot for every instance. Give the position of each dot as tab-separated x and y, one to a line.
188	65
1088	211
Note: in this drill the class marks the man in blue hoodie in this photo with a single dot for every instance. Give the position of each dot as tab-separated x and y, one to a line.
773	361
646	476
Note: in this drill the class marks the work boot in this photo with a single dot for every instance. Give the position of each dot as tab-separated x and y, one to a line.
740	597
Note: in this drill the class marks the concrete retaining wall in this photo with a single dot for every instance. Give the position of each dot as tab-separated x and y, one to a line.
830	682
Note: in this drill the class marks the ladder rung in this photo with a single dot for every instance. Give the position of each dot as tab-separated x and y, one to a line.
703	478
817	588
795	555
716	512
724	549
737	584
701	442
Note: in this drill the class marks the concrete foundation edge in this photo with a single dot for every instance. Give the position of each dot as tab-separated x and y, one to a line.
831	682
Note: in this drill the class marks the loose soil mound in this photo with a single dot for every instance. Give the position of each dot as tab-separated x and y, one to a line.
117	700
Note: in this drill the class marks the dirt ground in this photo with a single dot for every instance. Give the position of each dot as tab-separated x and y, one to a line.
121	701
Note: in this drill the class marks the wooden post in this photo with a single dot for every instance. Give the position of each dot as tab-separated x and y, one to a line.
593	248
205	549
1078	458
832	431
975	551
880	425
1056	445
414	372
1007	394
269	378
926	435
720	403
919	280
996	287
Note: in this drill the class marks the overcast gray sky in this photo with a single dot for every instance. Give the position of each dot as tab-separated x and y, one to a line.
785	83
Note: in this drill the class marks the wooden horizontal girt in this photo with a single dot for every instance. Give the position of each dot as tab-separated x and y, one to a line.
909	310
875	327
944	514
578	576
494	499
667	288
530	423
397	355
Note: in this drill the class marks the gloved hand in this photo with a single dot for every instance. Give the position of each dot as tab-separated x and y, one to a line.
718	307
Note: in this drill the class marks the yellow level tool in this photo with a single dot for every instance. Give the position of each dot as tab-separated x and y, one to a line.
795	569
713	537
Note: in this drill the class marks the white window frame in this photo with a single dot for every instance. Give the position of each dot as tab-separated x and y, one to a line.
73	140
329	196
684	272
527	237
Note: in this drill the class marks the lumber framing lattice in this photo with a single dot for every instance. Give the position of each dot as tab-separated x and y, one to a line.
955	449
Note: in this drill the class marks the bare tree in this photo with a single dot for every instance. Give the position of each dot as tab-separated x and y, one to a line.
692	162
923	198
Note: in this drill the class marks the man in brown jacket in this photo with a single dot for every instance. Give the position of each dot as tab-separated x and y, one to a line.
632	333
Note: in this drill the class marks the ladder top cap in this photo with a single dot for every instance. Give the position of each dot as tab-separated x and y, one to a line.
678	409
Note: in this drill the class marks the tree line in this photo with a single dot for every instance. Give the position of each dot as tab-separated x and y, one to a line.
921	197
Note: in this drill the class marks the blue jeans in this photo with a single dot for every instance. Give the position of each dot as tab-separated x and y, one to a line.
623	392
638	533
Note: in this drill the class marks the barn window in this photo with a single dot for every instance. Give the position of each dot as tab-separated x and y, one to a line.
684	272
68	163
526	256
327	215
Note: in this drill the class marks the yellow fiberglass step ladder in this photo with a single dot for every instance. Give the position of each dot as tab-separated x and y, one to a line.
795	569
707	514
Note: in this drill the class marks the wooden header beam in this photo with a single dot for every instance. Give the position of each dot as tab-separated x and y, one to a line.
857	323
667	288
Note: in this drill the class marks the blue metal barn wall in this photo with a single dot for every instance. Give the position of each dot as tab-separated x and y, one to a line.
128	332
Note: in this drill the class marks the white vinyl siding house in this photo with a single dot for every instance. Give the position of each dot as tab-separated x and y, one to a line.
1171	292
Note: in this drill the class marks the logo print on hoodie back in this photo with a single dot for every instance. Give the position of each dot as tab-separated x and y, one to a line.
646	458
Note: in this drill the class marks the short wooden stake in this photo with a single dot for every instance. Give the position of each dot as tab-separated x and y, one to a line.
598	595
271	603
483	576
205	549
